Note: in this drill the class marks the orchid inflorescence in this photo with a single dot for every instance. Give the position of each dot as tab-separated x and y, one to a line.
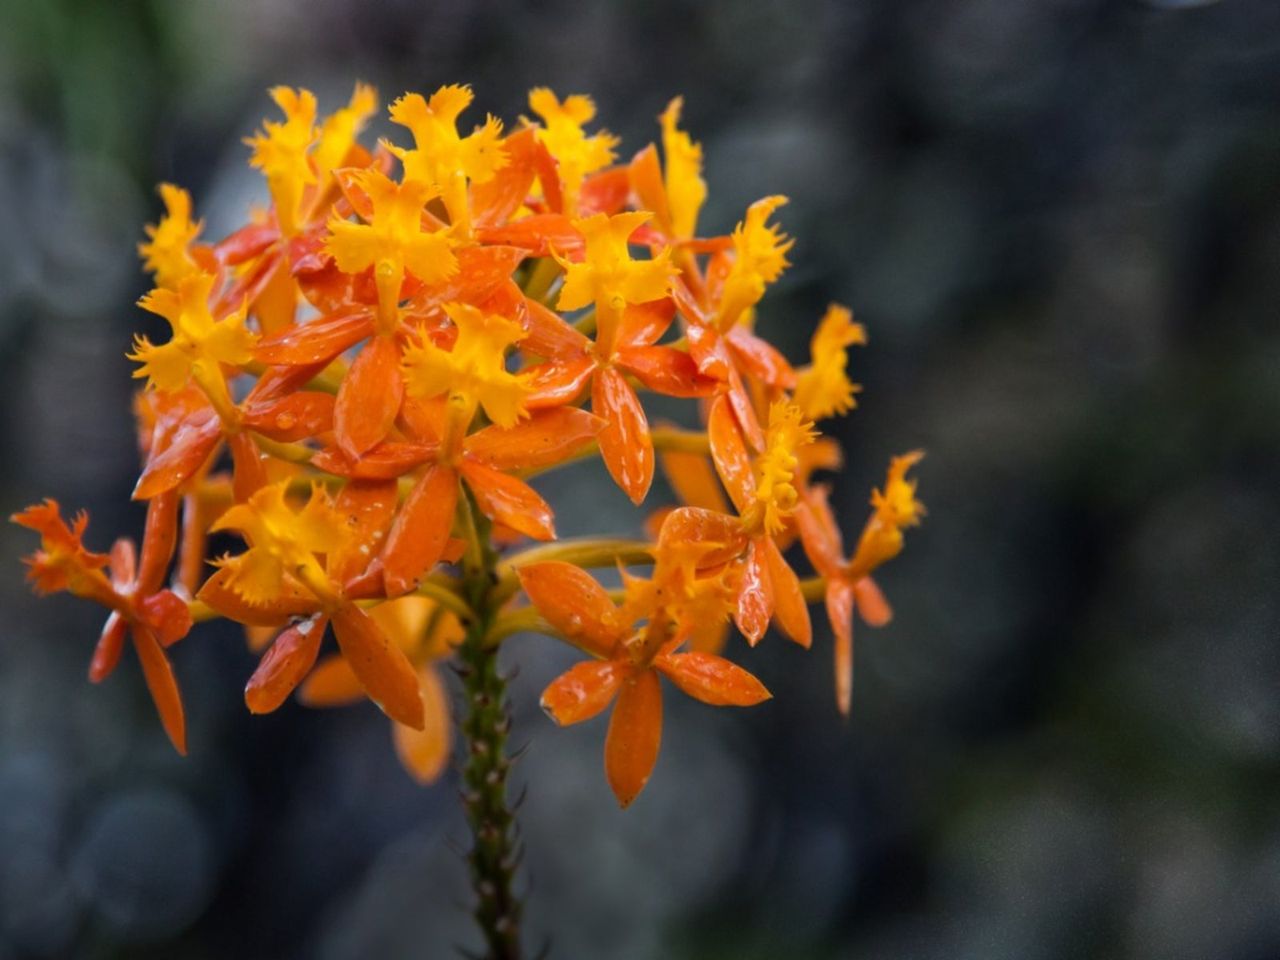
361	382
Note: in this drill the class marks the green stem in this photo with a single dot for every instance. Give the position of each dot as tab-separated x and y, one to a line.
495	855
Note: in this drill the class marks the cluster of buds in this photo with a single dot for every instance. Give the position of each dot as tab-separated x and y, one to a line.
361	382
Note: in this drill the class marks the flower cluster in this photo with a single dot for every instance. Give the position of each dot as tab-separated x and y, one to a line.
360	383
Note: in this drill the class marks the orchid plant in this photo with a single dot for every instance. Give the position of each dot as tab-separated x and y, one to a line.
365	382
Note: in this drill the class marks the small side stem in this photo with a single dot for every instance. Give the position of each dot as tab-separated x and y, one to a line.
495	851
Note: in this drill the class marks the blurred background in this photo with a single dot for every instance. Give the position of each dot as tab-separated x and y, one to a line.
1060	222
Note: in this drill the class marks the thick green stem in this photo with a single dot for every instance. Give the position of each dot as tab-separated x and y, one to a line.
495	854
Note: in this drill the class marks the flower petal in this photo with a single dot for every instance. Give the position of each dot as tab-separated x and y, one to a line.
755	601
421	531
872	606
510	501
368	507
219	593
729	453
635	733
106	655
583	691
625	443
544	440
556	383
425	753
574	603
369	397
163	686
383	670
790	608
283	666
318	341
297	416
191	445
331	684
712	679
840	612
667	370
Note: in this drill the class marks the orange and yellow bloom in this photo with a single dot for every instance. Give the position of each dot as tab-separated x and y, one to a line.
365	384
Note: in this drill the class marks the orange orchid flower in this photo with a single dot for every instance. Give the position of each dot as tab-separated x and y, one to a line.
633	644
849	583
155	618
763	490
427	634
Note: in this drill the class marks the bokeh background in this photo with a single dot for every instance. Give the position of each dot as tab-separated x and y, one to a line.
1060	221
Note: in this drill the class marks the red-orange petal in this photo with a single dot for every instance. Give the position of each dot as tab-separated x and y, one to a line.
667	370
382	668
106	655
159	539
369	397
549	336
790	608
819	534
694	480
510	501
539	234
421	531
872	606
297	416
250	473
755	597
729	453
317	341
604	192
283	666
696	525
331	684
368	507
759	359
424	753
167	615
386	461
635	734
545	439
645	173
494	201
163	686
558	382
574	603
712	679
840	612
583	691
191	445
625	443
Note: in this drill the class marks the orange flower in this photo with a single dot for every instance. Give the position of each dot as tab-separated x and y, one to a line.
153	617
763	489
281	577
626	444
427	634
633	645
849	584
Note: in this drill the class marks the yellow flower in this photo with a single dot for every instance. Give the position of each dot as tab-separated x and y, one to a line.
760	256
283	542
442	159
608	276
280	152
893	509
562	134
167	252
475	370
776	493
392	242
824	389
339	131
686	190
199	343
